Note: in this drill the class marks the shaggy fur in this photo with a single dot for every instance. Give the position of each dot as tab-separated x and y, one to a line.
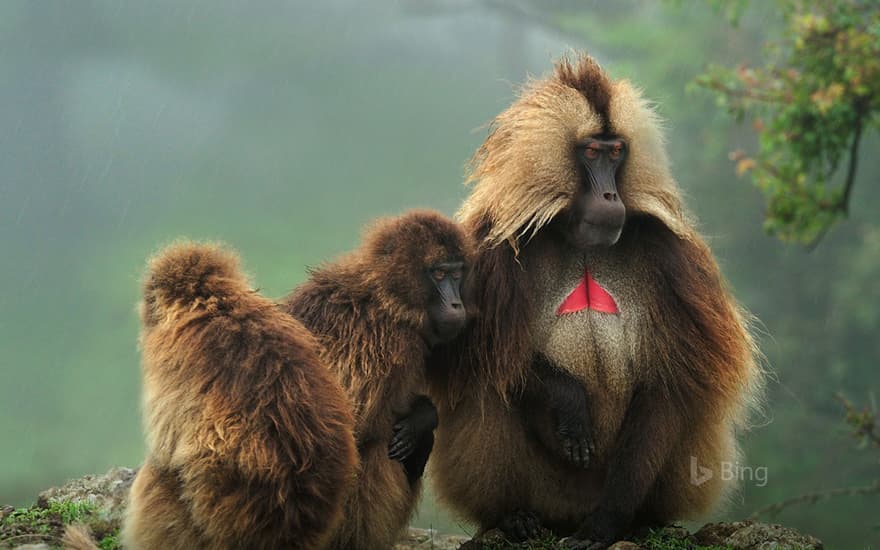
368	311
249	436
667	379
78	537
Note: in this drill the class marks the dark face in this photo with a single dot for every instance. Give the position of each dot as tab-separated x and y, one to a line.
446	312
596	216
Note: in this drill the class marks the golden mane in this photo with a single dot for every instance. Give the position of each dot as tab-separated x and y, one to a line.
524	174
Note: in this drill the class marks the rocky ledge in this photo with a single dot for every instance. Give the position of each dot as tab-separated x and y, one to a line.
99	501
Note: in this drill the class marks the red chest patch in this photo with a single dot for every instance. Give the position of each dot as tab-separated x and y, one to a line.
588	295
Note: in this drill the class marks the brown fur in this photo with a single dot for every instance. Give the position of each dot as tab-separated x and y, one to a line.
588	78
667	379
505	305
368	310
78	537
249	436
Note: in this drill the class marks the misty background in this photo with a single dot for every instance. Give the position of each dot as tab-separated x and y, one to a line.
282	128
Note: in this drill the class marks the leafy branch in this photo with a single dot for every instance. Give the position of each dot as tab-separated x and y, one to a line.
863	421
820	91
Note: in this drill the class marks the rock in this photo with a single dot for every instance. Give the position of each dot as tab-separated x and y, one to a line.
493	538
740	535
106	493
760	536
716	533
103	499
747	535
97	500
417	539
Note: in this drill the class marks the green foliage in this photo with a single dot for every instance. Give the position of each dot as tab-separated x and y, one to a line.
44	523
732	9
664	539
110	542
863	422
810	104
41	518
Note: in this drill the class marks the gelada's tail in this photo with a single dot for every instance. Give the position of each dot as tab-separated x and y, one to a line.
78	537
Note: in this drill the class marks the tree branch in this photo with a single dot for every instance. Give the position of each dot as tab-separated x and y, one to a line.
842	205
853	164
812	498
749	94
